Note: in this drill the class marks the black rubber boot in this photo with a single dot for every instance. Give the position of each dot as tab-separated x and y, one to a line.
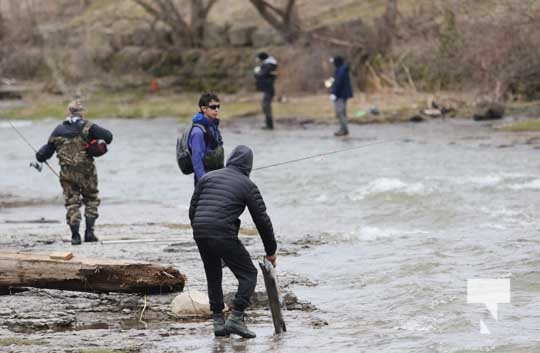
89	232
219	325
341	133
235	324
75	236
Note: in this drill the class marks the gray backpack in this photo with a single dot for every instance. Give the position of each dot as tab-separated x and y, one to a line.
213	160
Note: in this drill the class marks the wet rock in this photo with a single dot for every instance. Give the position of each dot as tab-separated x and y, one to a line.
191	303
288	279
260	300
489	111
533	141
27	322
318	323
416	119
309	241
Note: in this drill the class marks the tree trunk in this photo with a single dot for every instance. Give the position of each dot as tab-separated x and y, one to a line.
284	20
47	270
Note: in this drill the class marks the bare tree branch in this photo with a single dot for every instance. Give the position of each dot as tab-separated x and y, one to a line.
285	21
184	33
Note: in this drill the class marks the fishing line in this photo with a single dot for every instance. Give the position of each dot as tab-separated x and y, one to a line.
32	147
324	154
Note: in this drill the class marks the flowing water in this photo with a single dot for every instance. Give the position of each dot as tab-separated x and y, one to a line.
391	231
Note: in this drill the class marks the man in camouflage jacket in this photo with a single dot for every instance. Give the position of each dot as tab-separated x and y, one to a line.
78	175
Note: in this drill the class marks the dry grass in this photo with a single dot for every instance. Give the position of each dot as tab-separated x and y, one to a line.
521	126
395	104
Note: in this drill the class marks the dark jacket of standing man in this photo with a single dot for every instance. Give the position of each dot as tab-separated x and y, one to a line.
205	140
78	175
265	76
219	199
341	91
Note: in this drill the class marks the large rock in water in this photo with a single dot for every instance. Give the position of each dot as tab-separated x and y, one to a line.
489	111
191	303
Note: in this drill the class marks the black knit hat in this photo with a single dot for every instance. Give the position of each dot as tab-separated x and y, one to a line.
338	61
262	55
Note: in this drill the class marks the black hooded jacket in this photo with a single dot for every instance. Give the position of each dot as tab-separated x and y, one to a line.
221	196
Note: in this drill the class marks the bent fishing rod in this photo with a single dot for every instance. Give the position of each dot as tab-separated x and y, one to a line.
324	154
33	164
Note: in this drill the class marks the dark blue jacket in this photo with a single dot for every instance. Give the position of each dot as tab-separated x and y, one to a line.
342	83
199	145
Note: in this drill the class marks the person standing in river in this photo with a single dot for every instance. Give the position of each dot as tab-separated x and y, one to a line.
76	142
265	76
341	91
219	199
205	142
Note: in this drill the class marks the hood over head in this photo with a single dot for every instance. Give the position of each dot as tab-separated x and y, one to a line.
199	118
338	61
241	158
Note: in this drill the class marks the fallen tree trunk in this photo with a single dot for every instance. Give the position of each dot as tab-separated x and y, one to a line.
68	272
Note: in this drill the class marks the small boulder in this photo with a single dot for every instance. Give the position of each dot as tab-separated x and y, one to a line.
489	111
192	303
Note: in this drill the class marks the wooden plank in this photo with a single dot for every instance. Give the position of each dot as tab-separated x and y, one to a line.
61	256
274	299
33	269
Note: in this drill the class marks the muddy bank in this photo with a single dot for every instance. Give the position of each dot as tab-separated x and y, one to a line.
44	320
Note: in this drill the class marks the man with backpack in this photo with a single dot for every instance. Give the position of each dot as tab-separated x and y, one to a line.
200	148
76	142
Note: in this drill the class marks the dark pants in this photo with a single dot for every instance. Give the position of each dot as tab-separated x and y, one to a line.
266	105
237	258
340	106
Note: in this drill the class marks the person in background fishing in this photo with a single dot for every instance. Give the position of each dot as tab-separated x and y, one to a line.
76	142
205	142
265	76
341	91
219	199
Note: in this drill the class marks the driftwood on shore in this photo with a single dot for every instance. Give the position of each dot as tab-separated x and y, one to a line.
71	272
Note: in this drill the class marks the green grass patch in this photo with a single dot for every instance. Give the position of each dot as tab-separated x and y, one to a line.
525	125
8	341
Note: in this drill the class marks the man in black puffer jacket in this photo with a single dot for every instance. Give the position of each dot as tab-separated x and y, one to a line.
220	197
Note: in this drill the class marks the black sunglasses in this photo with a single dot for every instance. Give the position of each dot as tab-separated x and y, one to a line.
214	106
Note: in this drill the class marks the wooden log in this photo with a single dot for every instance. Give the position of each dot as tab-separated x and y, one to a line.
274	298
40	270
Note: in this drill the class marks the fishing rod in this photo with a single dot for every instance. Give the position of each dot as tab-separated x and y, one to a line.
324	154
33	164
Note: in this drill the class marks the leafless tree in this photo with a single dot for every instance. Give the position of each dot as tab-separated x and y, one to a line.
285	20
189	34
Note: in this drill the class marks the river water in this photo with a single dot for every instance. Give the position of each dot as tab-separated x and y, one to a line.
382	238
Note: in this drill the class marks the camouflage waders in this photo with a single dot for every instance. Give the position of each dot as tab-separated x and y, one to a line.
78	176
77	182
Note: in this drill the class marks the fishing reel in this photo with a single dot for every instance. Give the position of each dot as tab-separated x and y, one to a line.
37	166
329	82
